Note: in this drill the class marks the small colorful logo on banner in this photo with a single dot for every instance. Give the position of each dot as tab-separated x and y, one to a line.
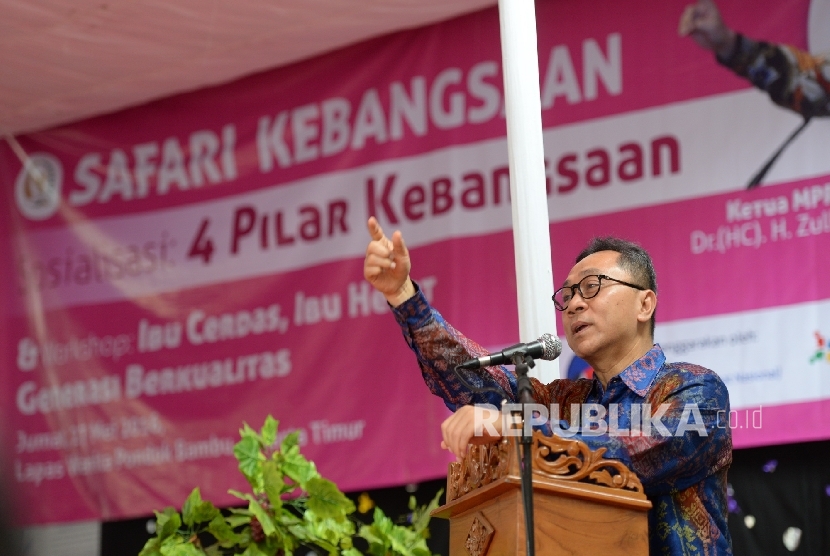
37	189
823	350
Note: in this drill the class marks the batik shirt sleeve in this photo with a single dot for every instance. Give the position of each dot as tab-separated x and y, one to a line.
793	78
439	347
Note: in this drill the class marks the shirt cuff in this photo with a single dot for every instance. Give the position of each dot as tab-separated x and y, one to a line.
415	312
740	52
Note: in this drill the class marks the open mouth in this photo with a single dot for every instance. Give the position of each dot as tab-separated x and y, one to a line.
579	327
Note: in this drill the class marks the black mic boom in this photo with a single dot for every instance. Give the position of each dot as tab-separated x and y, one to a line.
547	347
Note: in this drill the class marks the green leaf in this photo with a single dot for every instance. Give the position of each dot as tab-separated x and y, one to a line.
269	431
421	516
272	483
182	550
193	501
264	518
326	500
249	456
290	543
377	550
291	443
179	547
383	524
299	532
205	512
401	538
325	545
348	541
223	531
240	511
299	469
384	537
247	432
329	533
236	519
196	510
240	495
369	533
151	547
288	518
253	550
351	552
167	522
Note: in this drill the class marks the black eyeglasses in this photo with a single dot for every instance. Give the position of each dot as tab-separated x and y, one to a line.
588	287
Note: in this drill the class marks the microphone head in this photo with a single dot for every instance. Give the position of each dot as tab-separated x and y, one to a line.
552	347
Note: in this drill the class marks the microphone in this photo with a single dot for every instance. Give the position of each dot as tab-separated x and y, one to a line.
547	347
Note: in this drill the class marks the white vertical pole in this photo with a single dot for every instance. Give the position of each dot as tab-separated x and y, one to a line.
531	231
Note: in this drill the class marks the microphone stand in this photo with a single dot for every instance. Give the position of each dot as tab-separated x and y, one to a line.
523	363
756	179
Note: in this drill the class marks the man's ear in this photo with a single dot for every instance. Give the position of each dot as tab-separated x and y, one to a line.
648	304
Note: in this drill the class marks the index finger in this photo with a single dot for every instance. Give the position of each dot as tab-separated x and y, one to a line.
374	229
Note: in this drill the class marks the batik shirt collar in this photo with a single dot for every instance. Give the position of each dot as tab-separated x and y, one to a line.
640	375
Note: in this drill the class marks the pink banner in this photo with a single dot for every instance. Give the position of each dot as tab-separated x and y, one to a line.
739	291
178	268
725	253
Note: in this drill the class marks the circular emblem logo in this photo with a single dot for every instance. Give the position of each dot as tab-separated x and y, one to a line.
38	186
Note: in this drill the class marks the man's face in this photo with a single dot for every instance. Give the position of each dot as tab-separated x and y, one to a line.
607	322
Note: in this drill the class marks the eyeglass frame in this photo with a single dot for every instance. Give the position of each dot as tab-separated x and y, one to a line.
575	288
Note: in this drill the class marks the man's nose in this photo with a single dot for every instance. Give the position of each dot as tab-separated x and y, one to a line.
577	302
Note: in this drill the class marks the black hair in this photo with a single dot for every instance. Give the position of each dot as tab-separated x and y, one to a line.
633	259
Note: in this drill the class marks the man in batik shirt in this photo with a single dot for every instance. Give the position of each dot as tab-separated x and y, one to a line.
607	304
793	78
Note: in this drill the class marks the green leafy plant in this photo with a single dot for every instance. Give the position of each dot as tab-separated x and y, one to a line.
291	505
384	537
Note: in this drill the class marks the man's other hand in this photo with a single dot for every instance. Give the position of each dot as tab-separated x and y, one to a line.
459	430
702	22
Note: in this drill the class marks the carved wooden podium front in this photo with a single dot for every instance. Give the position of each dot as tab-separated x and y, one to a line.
583	504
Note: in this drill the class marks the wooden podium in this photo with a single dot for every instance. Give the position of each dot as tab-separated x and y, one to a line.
583	504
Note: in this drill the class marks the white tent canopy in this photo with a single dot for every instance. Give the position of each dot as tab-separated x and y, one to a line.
65	60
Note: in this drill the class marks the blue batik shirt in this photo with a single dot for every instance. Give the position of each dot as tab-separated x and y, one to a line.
684	476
